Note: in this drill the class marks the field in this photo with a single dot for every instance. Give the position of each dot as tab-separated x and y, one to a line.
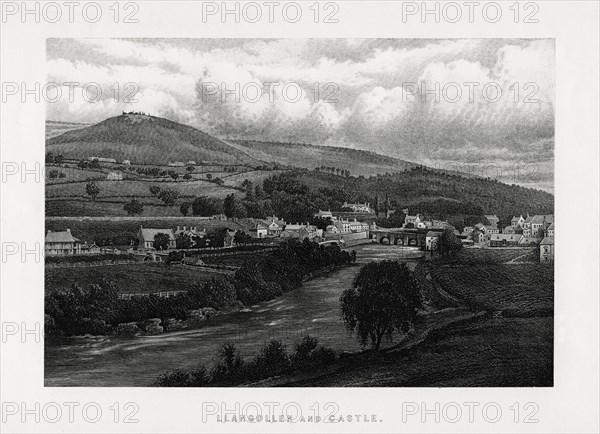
134	278
67	196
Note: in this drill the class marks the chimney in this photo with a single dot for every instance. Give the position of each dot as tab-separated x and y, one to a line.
68	230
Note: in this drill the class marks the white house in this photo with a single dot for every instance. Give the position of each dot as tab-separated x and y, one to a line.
547	250
432	241
358	207
114	176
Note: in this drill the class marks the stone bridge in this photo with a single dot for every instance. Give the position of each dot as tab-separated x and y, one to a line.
401	236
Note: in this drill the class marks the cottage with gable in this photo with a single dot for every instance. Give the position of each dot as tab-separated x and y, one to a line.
61	243
146	237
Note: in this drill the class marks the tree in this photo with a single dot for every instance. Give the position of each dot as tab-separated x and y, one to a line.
190	169
209	176
133	207
242	238
161	241
207	206
168	196
184	241
187	176
92	190
154	190
449	243
233	207
185	208
384	298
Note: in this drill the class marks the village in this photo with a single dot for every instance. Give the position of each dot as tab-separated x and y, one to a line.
354	226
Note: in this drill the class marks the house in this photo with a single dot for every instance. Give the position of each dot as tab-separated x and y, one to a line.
126	162
259	231
512	230
550	230
275	227
414	220
191	163
477	236
114	176
324	215
505	240
547	250
229	240
481	227
538	223
529	241
493	219
358	207
146	236
492	229
176	164
90	249
189	231
467	230
517	221
432	241
331	229
61	243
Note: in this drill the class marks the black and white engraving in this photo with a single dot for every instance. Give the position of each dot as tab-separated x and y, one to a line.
299	212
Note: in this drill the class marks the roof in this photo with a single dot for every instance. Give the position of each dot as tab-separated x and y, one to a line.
548	241
538	219
516	219
258	227
551	227
491	227
528	219
60	237
493	216
148	234
480	225
432	234
507	237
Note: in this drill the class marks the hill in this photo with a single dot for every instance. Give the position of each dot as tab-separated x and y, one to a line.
145	139
56	128
357	161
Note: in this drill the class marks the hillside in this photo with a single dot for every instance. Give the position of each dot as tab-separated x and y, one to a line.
56	128
358	162
145	139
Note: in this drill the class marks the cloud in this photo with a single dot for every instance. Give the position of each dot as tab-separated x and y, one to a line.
369	84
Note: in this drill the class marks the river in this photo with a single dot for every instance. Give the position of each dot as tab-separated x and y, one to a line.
311	309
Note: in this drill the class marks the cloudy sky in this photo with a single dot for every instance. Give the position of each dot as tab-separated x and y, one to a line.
370	93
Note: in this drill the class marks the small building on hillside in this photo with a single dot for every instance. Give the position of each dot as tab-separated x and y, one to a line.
432	241
229	240
176	164
146	237
547	250
61	243
189	231
90	249
126	162
114	176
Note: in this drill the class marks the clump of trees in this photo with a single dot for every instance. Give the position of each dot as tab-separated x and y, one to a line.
231	369
133	207
92	190
384	299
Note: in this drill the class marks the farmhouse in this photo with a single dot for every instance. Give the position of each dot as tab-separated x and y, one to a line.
61	243
146	236
275	227
547	250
